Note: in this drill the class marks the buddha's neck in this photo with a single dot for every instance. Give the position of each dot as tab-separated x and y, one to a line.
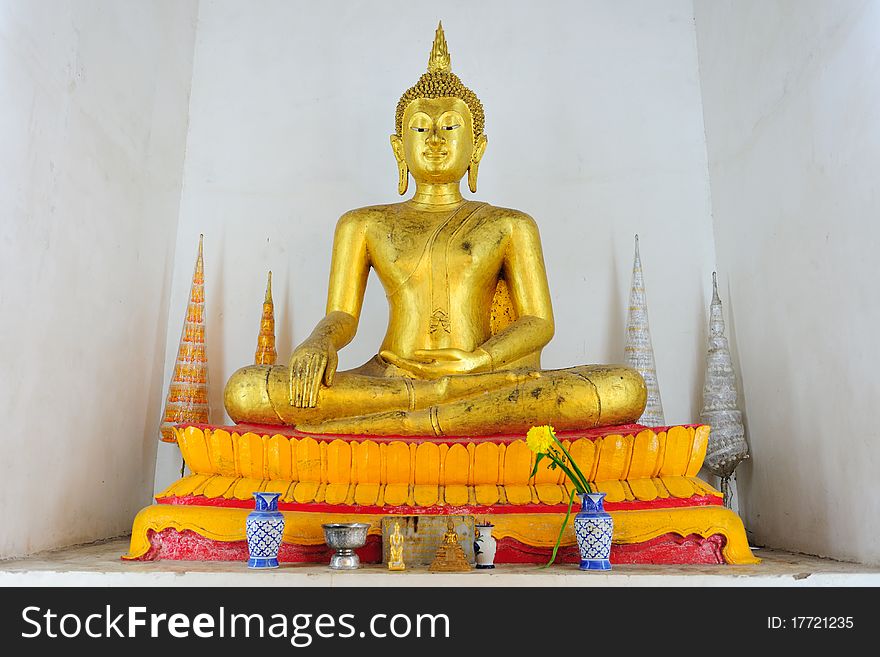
435	195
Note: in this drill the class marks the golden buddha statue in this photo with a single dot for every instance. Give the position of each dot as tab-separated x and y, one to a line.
395	561
450	555
469	305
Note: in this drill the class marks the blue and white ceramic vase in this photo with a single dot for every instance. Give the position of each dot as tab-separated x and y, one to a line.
265	526
593	527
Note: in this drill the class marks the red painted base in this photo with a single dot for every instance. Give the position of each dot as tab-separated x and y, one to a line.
189	546
666	549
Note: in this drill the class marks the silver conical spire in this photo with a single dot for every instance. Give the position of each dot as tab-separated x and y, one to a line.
638	351
727	444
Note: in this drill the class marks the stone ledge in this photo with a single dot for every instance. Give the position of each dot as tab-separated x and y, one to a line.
99	565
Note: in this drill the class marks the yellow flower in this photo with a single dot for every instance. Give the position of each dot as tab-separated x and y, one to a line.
539	439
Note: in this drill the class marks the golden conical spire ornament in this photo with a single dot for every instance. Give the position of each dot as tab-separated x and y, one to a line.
439	60
638	350
187	400
266	354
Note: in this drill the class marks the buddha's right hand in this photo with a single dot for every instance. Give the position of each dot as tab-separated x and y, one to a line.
310	364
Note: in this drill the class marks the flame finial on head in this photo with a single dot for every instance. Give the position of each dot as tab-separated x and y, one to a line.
439	60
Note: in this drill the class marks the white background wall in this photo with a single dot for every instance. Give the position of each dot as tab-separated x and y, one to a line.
595	128
93	115
791	101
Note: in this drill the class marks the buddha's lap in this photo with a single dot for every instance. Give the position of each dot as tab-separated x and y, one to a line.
260	393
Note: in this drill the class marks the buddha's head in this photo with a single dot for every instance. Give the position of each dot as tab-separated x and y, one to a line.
439	126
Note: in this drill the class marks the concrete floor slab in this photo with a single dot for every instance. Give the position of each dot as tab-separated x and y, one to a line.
99	564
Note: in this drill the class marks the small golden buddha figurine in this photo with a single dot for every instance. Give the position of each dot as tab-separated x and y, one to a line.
469	305
450	555
395	560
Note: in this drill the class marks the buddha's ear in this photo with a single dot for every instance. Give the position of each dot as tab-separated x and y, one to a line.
474	167
479	149
397	147
402	171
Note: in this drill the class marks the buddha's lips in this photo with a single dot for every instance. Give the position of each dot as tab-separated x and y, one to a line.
433	155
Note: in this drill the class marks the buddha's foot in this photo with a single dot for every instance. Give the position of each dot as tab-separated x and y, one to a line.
392	423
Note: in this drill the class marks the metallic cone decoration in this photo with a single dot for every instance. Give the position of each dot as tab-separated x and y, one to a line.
727	444
638	351
266	354
187	399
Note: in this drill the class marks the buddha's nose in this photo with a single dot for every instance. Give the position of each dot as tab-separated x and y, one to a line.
434	139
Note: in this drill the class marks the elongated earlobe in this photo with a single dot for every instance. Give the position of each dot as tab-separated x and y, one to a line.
402	170
473	171
474	168
403	178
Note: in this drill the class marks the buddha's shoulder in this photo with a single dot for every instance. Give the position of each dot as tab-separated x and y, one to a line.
367	215
510	221
511	215
359	220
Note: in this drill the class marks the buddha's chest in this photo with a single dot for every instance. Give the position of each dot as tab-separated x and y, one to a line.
457	255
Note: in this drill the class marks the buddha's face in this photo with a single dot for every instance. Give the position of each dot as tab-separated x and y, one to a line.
437	143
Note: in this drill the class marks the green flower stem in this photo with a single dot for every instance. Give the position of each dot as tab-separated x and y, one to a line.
584	481
561	531
579	483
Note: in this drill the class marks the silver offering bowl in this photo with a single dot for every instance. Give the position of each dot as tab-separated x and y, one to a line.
345	538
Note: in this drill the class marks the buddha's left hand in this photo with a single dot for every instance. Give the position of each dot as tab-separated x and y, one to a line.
435	363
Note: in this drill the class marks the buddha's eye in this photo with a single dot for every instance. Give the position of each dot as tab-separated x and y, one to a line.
418	129
450	127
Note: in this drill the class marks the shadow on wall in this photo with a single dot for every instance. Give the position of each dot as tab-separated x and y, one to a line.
769	463
156	393
616	312
284	329
743	474
214	332
700	354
